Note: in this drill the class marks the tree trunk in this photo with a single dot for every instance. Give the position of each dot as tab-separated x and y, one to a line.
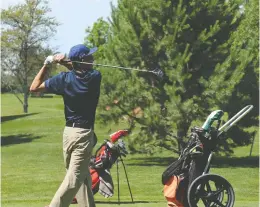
181	134
25	99
252	145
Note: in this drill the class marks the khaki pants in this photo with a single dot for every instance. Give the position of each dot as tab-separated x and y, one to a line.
77	149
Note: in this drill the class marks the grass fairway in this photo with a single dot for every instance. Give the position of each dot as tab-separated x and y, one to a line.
32	163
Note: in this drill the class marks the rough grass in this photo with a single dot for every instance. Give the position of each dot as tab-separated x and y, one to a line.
32	163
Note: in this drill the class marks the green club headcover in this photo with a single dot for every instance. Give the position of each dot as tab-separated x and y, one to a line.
215	115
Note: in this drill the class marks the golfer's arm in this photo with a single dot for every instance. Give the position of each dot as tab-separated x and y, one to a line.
38	82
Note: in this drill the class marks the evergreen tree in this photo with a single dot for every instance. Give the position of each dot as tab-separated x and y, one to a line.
188	40
239	75
97	36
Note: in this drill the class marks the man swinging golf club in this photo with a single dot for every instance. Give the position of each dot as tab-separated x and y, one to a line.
80	89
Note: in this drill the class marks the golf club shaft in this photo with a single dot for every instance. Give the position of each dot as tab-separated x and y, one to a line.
118	190
127	179
111	66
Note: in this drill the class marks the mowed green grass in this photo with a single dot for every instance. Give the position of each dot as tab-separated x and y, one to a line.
32	163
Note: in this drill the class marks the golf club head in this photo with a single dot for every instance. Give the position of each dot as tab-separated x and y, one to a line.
122	147
158	72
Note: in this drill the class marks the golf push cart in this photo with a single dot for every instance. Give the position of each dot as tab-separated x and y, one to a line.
195	186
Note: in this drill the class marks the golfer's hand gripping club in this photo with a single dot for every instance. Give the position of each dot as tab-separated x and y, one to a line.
48	60
58	58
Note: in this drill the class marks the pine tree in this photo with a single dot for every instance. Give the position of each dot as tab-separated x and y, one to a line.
188	40
239	75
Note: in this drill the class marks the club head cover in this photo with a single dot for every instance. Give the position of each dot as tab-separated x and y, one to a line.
120	133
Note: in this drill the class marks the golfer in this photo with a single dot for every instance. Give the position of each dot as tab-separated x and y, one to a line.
80	89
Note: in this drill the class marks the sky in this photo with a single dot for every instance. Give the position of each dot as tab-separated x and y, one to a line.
74	16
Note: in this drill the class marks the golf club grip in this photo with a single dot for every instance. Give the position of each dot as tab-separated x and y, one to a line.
66	61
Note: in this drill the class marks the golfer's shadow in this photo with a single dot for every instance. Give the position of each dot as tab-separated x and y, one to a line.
17	139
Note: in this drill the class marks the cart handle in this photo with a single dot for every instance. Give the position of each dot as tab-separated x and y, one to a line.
229	124
235	118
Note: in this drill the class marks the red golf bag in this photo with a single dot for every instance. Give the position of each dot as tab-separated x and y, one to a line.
101	163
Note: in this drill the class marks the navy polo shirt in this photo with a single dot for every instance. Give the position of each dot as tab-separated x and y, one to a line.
80	94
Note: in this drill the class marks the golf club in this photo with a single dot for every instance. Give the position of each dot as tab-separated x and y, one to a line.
121	159
158	72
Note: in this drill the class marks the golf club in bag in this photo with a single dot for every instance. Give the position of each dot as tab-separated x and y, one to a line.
187	182
110	152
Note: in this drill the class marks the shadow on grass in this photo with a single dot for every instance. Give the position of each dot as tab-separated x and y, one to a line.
45	96
12	117
217	162
150	161
17	139
123	202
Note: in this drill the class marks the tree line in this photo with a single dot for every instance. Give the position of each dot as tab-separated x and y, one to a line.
207	50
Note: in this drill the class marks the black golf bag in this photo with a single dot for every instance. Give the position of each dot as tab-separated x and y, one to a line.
187	181
188	167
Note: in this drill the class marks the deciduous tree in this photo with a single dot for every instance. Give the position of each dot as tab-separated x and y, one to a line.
26	28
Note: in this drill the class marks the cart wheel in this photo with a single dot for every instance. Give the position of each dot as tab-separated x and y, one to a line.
211	191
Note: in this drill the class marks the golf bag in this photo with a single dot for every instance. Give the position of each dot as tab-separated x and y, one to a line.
181	173
187	181
101	163
178	176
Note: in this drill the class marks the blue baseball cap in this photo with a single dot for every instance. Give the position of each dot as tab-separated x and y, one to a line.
80	51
